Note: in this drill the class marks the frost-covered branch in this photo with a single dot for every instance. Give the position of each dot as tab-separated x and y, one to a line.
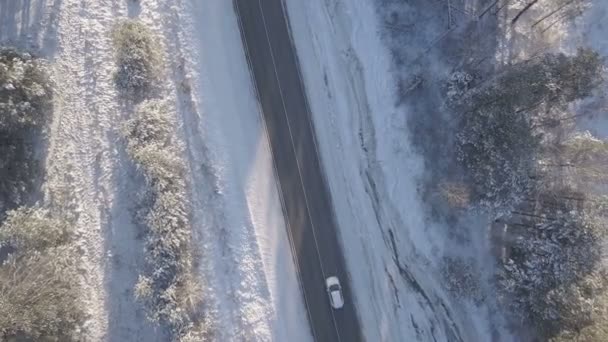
500	128
25	106
167	286
556	273
39	294
137	56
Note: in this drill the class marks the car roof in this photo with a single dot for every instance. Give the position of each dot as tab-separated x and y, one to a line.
336	297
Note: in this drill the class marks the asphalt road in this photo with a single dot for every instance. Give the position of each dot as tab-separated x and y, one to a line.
305	197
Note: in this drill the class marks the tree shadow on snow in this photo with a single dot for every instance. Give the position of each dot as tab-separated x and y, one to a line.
124	245
134	8
30	24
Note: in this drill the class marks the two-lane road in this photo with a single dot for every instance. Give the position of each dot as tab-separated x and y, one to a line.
305	197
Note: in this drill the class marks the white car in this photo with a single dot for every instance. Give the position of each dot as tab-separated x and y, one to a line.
334	290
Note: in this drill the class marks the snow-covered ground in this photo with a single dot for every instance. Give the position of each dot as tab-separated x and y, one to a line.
251	289
246	261
394	252
87	173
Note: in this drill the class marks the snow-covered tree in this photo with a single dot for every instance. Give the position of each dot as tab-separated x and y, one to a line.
25	91
33	229
25	105
556	272
167	286
596	332
150	124
138	56
581	159
458	85
39	297
500	123
497	146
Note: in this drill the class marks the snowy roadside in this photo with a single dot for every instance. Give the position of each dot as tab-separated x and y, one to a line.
247	270
393	251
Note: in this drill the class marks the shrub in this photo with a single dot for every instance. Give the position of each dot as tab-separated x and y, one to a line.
458	85
150	144
33	229
38	293
167	287
25	104
37	296
150	125
25	91
137	56
461	278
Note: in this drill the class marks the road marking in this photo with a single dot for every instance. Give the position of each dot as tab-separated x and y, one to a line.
319	159
309	113
296	157
294	253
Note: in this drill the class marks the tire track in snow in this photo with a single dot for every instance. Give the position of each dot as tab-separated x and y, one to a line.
70	148
82	154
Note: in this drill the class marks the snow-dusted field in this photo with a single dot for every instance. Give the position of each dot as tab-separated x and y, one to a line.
246	265
394	252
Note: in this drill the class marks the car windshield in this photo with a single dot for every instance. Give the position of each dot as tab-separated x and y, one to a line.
334	287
